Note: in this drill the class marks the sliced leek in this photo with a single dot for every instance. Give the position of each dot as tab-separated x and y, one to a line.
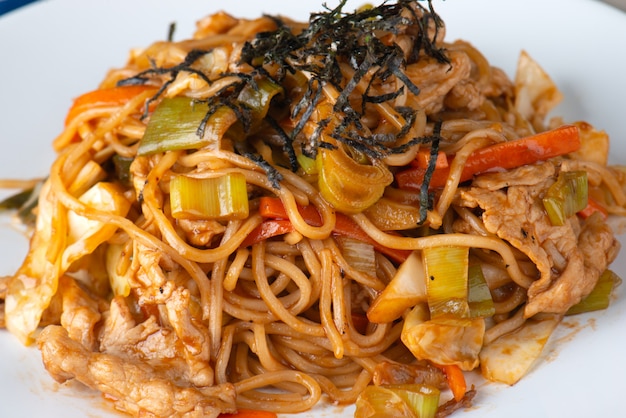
566	196
217	198
446	278
257	99
307	164
175	122
600	296
478	297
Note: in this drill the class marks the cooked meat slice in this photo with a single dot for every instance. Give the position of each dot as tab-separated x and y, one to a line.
135	387
152	342
513	214
80	313
569	259
596	249
442	78
527	175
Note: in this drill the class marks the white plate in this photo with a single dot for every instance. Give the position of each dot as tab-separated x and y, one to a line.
54	50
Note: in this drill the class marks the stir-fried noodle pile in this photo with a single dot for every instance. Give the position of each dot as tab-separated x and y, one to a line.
228	218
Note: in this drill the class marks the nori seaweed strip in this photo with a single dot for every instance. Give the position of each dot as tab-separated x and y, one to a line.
360	72
424	195
143	76
382	98
190	59
287	143
272	174
309	149
309	110
428	45
171	31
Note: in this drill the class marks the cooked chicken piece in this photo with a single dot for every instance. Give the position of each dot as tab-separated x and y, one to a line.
568	263
136	388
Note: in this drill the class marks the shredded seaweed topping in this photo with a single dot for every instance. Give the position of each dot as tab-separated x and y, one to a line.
425	197
362	41
359	40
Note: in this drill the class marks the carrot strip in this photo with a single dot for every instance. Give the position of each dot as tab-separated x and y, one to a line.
455	379
423	157
268	229
115	96
270	207
500	156
249	413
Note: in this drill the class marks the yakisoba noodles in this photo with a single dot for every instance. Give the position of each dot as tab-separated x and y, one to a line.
274	214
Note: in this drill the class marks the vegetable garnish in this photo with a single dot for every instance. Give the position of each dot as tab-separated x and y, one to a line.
500	156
